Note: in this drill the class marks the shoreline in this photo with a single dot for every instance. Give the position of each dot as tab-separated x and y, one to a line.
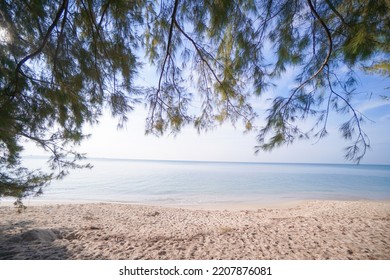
310	229
221	206
234	206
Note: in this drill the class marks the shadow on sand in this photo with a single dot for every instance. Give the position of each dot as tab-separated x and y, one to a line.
19	241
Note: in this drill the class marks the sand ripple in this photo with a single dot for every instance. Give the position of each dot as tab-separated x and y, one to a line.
310	230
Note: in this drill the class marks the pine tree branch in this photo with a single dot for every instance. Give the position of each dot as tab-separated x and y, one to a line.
362	138
168	50
61	36
333	8
278	113
104	13
41	46
199	51
326	60
167	55
329	36
206	62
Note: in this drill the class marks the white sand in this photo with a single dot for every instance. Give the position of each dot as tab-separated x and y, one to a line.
308	230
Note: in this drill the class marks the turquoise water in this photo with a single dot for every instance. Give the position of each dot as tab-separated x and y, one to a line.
196	183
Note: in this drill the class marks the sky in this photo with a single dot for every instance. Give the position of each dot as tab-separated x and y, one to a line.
226	143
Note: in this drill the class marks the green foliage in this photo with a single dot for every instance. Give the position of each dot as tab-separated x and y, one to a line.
62	64
65	60
381	68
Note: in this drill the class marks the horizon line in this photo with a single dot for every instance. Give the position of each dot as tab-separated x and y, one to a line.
218	161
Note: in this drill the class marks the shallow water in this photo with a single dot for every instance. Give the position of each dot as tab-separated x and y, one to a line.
196	183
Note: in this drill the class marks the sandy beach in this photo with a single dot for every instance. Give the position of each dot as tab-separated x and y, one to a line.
306	230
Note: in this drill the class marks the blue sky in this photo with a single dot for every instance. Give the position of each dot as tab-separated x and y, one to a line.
226	143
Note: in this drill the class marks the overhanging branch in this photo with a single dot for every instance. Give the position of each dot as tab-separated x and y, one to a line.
326	60
42	45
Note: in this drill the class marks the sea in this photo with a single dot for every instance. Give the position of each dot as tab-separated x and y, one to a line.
194	183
